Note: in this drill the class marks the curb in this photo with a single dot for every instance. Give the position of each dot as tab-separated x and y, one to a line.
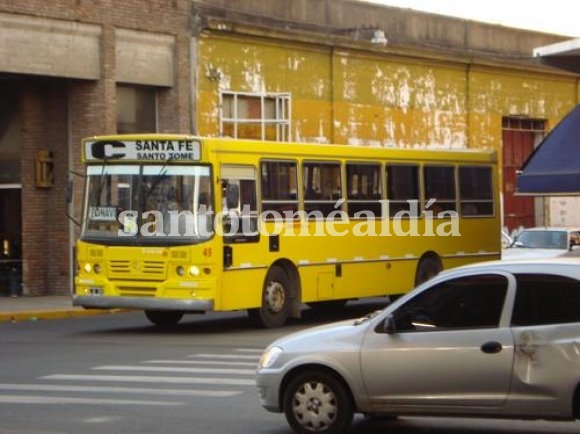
34	315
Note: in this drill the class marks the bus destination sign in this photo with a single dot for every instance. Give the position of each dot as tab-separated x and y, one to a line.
143	150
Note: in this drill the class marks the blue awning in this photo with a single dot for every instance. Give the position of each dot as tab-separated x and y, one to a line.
554	166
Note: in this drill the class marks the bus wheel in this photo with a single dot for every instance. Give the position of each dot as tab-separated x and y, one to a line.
275	300
429	266
163	317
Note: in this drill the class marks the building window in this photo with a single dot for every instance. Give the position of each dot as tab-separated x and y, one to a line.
136	110
255	116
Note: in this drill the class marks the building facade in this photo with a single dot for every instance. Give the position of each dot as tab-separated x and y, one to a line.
326	71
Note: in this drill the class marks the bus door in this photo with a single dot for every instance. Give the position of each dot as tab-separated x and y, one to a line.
244	265
239	207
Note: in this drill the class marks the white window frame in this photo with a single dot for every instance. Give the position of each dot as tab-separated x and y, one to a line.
282	116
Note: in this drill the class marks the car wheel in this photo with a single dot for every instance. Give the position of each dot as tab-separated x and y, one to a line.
429	266
276	296
317	402
163	318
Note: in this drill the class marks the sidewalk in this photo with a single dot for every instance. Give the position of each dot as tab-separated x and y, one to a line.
32	308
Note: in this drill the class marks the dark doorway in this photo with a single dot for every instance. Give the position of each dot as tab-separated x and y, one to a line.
10	241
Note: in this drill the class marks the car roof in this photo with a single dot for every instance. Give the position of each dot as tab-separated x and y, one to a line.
550	228
570	264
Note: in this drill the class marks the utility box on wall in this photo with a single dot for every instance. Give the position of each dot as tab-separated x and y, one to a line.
44	169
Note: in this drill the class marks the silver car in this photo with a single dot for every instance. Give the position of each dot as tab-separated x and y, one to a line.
542	242
497	339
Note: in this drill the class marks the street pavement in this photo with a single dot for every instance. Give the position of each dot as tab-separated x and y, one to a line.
32	308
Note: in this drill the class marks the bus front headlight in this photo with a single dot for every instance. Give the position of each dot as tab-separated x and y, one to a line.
87	267
194	271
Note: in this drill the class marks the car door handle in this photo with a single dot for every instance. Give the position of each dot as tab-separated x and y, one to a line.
491	347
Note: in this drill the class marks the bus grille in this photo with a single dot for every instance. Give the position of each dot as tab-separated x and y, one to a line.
143	291
124	269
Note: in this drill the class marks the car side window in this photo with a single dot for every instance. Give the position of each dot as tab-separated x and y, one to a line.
464	302
543	299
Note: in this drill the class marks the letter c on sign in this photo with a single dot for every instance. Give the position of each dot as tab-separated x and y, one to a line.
102	150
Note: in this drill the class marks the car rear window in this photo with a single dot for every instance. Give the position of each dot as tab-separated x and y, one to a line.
546	299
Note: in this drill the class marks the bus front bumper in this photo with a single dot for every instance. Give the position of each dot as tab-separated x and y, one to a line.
142	303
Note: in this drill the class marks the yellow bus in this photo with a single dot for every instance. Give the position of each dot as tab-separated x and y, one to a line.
178	224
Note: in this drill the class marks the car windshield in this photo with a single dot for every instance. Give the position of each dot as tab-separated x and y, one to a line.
548	239
150	203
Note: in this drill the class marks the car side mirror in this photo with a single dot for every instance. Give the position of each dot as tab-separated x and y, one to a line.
389	324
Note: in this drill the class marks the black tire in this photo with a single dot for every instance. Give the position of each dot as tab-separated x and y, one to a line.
163	318
428	267
317	402
276	297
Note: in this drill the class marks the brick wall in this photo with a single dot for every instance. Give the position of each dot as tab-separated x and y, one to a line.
58	112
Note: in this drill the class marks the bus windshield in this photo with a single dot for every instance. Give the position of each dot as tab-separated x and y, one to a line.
150	204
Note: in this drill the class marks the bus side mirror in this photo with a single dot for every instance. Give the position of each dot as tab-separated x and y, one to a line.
69	191
232	195
68	194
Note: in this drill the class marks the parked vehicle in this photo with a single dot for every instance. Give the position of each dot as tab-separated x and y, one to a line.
497	339
542	242
506	240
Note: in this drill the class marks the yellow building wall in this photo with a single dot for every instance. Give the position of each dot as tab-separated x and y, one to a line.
250	65
348	97
382	100
494	94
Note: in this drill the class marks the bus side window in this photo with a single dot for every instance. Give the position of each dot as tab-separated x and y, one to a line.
240	208
322	188
402	188
364	189
439	185
279	189
476	191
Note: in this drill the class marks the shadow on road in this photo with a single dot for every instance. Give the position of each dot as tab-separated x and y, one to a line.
238	322
432	425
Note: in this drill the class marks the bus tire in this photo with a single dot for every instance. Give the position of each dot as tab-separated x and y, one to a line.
276	297
429	266
163	318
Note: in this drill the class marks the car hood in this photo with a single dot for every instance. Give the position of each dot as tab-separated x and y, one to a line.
531	253
329	335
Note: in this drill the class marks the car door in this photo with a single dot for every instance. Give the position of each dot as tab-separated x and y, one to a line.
546	327
450	346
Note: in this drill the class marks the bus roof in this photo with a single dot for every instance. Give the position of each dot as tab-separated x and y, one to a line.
292	150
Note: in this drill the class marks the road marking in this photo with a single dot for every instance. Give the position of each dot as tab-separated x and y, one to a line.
174	369
18	399
101	389
154	379
226	356
202	362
